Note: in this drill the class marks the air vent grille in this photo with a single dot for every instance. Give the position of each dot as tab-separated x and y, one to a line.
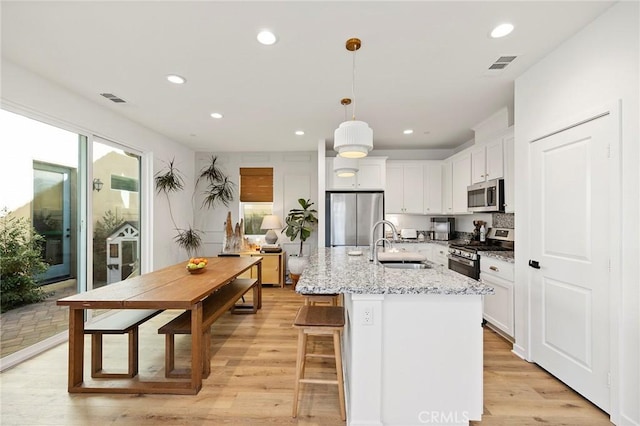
501	63
505	59
113	98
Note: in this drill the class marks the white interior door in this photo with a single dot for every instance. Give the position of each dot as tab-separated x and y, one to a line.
570	291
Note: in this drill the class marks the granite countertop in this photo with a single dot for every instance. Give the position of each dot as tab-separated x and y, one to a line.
507	256
332	270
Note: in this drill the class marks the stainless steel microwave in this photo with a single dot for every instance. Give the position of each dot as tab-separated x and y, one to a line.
486	196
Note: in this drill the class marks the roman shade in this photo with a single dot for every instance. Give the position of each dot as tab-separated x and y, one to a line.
256	184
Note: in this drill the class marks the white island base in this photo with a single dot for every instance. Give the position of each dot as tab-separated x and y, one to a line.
412	359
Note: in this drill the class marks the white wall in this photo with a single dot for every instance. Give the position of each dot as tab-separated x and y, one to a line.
295	175
596	67
40	99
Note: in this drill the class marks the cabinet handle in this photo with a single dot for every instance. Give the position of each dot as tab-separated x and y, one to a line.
494	268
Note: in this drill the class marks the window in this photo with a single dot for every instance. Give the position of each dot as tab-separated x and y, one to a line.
256	197
124	183
253	213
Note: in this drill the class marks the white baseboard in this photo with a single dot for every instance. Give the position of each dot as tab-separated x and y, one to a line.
519	351
22	355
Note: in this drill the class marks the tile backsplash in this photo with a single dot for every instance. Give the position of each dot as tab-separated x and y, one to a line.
503	220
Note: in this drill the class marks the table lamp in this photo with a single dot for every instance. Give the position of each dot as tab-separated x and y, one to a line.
271	222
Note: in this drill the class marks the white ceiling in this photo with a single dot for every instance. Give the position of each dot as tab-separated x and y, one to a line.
422	65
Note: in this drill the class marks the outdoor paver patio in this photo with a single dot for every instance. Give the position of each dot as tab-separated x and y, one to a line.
27	325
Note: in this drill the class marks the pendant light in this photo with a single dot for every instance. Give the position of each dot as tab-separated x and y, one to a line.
353	138
342	166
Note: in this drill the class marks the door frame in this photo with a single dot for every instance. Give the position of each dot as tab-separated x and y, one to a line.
523	345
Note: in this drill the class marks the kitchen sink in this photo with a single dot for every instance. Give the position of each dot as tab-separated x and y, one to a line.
405	265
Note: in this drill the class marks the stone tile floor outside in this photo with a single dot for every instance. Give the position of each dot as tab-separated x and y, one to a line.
27	325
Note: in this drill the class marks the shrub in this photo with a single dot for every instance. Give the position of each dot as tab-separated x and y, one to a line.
20	262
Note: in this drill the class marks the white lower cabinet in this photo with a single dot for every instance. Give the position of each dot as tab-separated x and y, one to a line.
498	308
440	253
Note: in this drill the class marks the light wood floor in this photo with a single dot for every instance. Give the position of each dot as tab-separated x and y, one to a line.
251	383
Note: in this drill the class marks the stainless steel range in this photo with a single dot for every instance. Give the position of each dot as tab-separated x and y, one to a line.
465	258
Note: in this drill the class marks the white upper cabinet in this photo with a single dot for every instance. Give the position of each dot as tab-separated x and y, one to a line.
509	159
404	190
487	162
372	173
432	187
447	191
370	176
461	179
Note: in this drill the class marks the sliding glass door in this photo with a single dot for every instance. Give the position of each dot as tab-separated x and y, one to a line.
39	166
82	198
115	212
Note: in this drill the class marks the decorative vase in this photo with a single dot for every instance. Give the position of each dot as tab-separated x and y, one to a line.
297	264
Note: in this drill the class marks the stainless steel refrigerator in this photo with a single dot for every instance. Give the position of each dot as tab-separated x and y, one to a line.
350	216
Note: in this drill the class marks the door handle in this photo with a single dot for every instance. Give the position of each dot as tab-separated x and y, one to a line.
534	264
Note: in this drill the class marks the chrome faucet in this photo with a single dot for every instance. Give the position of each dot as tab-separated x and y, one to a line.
375	246
372	237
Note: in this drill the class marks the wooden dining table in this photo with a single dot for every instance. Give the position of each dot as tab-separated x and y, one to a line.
172	287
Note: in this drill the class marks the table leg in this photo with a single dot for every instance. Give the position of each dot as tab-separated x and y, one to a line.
196	347
76	348
259	301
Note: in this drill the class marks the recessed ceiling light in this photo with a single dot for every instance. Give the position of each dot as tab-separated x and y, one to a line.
267	37
176	79
299	132
502	30
216	115
408	132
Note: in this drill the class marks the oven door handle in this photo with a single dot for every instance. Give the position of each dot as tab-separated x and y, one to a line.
461	260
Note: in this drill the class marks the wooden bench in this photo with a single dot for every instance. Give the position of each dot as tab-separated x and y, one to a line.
123	321
213	307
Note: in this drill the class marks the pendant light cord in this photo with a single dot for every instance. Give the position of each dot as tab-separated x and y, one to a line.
353	85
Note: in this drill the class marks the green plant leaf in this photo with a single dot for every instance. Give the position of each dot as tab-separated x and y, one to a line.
170	180
300	222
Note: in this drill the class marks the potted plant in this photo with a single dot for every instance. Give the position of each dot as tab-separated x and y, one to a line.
300	224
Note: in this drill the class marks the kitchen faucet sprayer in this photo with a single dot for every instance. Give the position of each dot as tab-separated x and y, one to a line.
372	248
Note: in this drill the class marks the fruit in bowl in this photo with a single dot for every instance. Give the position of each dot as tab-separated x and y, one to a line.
197	264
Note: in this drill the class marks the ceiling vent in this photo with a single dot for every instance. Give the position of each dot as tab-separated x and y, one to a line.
113	98
500	64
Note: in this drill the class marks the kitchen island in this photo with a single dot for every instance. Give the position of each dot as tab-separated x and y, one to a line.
412	343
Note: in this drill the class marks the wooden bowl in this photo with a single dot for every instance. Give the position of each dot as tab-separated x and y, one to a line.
196	271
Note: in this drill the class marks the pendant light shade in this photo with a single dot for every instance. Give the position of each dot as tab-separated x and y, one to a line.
345	167
353	139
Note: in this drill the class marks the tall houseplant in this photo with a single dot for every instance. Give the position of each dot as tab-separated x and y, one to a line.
300	223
